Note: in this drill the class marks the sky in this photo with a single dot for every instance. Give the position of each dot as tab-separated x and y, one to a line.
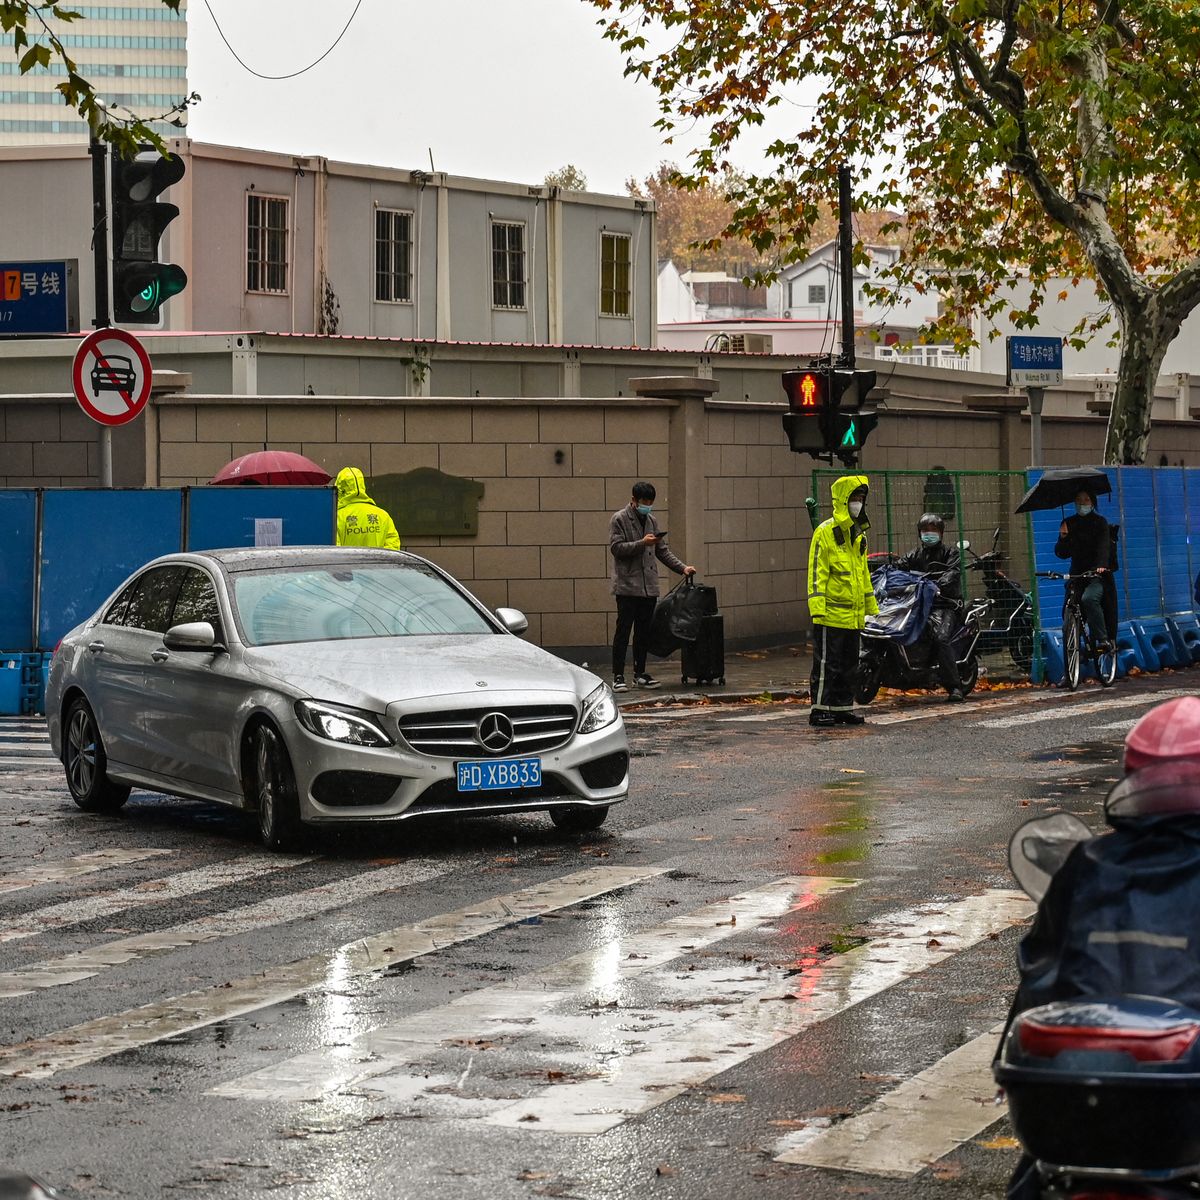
498	89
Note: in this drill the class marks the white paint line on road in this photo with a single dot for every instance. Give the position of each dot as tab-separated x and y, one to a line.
93	1040
152	891
71	868
1068	711
84	964
921	1121
481	1015
1122	726
681	1049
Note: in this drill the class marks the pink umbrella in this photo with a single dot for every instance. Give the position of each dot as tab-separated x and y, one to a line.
272	467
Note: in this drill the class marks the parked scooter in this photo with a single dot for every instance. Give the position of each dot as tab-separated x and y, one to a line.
1104	1083
888	658
1009	626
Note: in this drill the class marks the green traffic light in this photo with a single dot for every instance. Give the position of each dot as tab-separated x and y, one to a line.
851	438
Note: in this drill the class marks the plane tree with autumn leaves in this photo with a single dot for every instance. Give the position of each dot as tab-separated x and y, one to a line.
1054	140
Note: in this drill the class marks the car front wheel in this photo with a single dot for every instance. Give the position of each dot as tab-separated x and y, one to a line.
579	820
275	795
86	763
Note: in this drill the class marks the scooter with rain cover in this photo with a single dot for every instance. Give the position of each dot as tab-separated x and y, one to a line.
896	648
1104	1089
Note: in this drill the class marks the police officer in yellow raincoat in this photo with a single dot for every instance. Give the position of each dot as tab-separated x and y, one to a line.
840	598
360	521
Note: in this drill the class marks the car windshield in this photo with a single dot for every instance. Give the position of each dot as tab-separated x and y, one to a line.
327	604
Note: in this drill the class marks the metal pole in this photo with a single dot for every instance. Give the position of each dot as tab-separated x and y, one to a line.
846	262
103	317
1037	397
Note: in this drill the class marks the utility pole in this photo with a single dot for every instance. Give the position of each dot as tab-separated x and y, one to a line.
99	152
846	263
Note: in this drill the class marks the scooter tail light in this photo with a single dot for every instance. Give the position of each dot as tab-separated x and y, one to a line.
54	652
1142	1045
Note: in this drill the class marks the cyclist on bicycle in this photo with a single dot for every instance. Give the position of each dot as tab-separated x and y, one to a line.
1086	539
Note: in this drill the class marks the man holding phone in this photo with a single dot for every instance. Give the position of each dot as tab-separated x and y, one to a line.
637	544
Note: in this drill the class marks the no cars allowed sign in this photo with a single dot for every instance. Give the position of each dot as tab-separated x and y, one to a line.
111	376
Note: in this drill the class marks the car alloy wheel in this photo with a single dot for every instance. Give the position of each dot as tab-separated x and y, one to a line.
86	764
279	823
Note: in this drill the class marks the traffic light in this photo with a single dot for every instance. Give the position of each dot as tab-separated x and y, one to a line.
142	284
825	417
808	401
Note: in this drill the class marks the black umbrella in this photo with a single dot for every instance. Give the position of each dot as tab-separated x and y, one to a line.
1060	486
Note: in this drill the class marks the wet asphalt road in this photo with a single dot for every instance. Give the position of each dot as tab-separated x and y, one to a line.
777	929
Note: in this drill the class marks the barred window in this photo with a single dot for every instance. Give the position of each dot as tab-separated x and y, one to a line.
508	264
615	255
266	243
816	293
393	255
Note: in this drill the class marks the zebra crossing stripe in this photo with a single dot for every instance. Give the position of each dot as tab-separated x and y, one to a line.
683	1049
72	868
43	1057
482	1014
153	891
84	964
1081	710
921	1121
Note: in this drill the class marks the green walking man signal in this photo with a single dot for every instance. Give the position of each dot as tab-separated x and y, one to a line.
825	417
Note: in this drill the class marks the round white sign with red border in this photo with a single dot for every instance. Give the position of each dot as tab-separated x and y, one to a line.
111	376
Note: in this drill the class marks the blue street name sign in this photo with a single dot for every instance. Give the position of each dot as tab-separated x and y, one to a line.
38	297
1034	361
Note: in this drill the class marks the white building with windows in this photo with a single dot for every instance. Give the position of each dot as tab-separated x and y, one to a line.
134	53
297	244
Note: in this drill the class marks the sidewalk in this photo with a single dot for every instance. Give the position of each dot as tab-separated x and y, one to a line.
782	671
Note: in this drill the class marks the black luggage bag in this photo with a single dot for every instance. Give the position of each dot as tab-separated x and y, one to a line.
704	659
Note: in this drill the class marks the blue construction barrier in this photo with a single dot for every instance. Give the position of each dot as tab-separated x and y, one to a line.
220	517
18	568
63	551
92	539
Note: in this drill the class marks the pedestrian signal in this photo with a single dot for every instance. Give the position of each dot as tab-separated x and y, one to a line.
825	417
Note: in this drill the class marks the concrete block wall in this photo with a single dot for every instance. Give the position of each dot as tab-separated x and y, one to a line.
553	473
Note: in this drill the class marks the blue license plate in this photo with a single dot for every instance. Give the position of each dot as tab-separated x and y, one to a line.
499	774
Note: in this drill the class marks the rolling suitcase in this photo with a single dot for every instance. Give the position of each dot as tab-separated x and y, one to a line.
704	659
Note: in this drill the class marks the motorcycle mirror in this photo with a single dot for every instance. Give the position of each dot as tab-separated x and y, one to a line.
1040	847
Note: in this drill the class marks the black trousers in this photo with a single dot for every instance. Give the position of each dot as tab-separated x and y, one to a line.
941	630
835	666
633	613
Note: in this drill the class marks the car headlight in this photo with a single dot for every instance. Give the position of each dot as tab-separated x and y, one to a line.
599	709
340	724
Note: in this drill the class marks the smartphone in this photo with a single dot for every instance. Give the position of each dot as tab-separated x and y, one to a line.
662	533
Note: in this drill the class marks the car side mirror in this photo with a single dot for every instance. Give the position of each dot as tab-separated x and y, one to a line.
194	636
513	619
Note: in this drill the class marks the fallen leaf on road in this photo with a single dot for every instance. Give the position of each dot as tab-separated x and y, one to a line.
727	1098
732	921
664	1169
527	1176
1000	1143
790	1123
530	1117
851	771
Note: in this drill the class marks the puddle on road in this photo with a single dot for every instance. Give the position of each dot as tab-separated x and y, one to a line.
1099	753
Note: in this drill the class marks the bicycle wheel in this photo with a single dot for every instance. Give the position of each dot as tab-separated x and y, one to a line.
1071	655
1106	666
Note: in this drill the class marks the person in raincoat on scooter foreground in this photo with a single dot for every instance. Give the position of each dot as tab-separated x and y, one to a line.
840	598
1119	915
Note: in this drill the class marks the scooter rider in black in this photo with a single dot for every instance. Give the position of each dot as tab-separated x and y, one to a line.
941	563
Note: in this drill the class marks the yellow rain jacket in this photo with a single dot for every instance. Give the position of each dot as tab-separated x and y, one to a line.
839	581
360	521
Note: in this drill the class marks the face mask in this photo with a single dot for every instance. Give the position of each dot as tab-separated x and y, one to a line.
931	539
1083	510
645	509
856	508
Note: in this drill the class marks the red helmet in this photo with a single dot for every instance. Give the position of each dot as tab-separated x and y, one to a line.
1168	733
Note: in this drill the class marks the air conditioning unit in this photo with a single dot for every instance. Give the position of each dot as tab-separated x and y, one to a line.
750	343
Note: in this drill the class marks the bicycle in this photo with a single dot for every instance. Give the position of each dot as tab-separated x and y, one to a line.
1077	638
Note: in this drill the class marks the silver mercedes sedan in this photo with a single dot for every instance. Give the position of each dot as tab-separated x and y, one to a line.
314	685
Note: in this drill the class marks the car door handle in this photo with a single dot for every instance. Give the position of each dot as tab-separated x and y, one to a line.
160	655
96	647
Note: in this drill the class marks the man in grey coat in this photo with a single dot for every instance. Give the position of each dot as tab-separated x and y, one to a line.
636	543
